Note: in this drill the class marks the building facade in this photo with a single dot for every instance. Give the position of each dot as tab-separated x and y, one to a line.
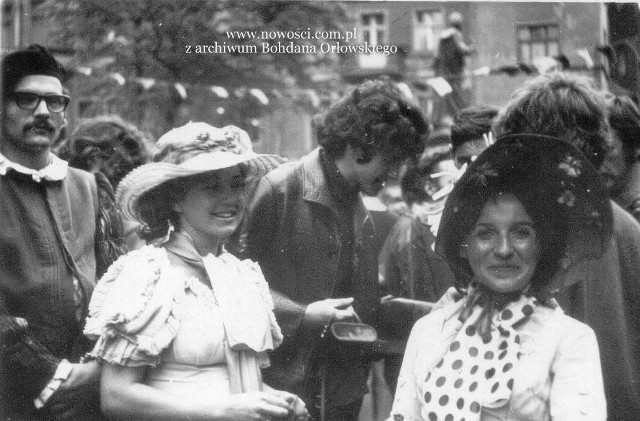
513	41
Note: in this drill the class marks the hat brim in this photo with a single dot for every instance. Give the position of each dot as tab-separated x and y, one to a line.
149	176
553	170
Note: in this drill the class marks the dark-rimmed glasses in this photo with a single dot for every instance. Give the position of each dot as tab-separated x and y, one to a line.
29	101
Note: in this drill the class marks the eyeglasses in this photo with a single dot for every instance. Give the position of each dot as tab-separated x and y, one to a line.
30	101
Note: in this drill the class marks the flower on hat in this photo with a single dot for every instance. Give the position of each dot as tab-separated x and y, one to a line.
571	166
192	149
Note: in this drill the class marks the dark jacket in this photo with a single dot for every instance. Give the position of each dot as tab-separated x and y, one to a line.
409	267
293	234
47	238
629	197
605	295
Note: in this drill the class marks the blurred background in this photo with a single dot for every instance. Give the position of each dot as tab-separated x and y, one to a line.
129	57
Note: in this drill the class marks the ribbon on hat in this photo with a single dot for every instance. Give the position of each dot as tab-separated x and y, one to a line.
184	142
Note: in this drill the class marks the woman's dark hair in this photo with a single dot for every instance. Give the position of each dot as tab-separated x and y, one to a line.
471	123
155	208
376	117
120	145
560	105
624	118
550	228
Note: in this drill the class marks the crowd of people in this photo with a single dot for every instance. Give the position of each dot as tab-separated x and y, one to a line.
192	278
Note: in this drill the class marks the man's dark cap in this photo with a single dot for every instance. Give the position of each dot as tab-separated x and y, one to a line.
34	60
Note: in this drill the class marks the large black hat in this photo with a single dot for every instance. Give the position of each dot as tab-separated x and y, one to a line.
565	188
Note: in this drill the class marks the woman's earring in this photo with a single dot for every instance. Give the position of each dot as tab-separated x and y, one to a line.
170	228
463	250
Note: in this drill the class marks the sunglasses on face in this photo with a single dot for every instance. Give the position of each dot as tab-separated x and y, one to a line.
29	101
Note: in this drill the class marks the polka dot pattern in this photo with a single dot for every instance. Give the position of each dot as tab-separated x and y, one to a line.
476	370
507	314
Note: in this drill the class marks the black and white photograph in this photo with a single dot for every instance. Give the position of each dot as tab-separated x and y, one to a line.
299	210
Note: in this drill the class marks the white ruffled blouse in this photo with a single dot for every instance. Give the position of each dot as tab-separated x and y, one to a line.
147	310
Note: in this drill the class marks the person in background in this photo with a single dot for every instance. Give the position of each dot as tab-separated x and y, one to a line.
404	260
451	62
183	327
409	267
471	133
498	346
55	223
621	167
604	293
314	240
110	147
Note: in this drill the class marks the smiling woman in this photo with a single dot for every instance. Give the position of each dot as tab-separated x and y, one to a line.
503	249
498	346
183	326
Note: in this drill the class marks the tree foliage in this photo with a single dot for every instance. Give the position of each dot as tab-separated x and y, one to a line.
148	38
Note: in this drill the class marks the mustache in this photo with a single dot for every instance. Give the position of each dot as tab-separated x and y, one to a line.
40	124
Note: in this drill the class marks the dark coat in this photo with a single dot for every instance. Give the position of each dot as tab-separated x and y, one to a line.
629	197
294	236
47	238
409	267
605	294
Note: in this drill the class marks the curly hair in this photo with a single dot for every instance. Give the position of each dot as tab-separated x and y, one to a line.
120	145
376	117
561	105
471	123
624	118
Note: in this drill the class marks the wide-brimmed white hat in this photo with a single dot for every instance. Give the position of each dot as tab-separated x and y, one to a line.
192	149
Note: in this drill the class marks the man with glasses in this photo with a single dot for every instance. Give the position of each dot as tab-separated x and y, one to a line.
314	240
52	233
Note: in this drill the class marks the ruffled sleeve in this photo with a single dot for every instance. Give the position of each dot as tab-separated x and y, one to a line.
133	310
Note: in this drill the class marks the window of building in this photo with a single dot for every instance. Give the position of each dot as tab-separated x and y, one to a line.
374	28
537	40
427	25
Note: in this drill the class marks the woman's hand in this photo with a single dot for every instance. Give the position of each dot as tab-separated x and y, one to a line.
297	408
76	391
259	406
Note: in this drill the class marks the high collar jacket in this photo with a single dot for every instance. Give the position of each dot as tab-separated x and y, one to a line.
294	235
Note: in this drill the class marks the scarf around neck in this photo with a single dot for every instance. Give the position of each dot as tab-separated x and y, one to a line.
477	369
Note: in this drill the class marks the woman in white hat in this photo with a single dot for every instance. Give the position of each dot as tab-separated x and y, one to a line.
182	326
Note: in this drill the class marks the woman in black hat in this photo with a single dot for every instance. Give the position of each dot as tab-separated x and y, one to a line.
497	346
